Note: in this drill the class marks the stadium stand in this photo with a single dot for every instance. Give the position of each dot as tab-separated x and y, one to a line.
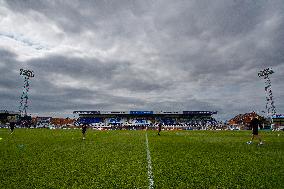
186	120
278	121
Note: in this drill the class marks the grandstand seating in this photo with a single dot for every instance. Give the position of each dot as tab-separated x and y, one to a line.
149	119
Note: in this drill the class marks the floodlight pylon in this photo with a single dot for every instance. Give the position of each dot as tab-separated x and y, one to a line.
26	74
270	107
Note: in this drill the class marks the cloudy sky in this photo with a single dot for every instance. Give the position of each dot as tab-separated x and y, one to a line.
141	55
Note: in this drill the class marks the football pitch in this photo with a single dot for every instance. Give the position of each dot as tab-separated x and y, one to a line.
40	158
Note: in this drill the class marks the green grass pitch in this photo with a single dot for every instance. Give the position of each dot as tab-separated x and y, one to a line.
40	158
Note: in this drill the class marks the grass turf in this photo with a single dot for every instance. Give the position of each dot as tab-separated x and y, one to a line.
39	158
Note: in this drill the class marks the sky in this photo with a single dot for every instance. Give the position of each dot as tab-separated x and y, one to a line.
141	55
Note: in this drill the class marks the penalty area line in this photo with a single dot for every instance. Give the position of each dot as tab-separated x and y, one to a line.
150	173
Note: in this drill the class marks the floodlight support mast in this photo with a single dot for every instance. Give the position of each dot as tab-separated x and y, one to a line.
26	74
270	107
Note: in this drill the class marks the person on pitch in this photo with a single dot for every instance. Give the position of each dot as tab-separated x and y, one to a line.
84	129
11	123
159	128
12	127
254	124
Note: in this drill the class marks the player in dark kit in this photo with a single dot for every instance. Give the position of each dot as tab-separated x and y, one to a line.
160	128
255	123
12	122
12	127
84	129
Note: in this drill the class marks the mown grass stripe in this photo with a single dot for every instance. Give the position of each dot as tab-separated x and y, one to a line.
150	173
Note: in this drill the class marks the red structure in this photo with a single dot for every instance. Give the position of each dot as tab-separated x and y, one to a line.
243	120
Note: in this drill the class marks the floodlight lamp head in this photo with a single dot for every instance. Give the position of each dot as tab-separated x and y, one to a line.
265	72
27	73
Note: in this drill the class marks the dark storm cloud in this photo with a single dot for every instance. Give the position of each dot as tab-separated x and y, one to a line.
193	50
9	80
167	105
224	23
76	67
218	18
8	71
114	75
68	99
46	96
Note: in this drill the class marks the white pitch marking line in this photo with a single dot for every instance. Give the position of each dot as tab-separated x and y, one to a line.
150	173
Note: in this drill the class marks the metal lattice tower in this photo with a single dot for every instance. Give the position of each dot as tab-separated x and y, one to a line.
27	74
270	107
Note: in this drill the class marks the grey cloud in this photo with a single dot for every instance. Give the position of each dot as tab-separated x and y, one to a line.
77	16
79	99
10	81
9	71
47	96
207	45
76	67
224	22
188	104
114	75
6	55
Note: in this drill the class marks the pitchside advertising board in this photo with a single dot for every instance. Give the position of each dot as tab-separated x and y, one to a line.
86	112
163	112
141	112
114	112
199	112
43	119
101	112
278	119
